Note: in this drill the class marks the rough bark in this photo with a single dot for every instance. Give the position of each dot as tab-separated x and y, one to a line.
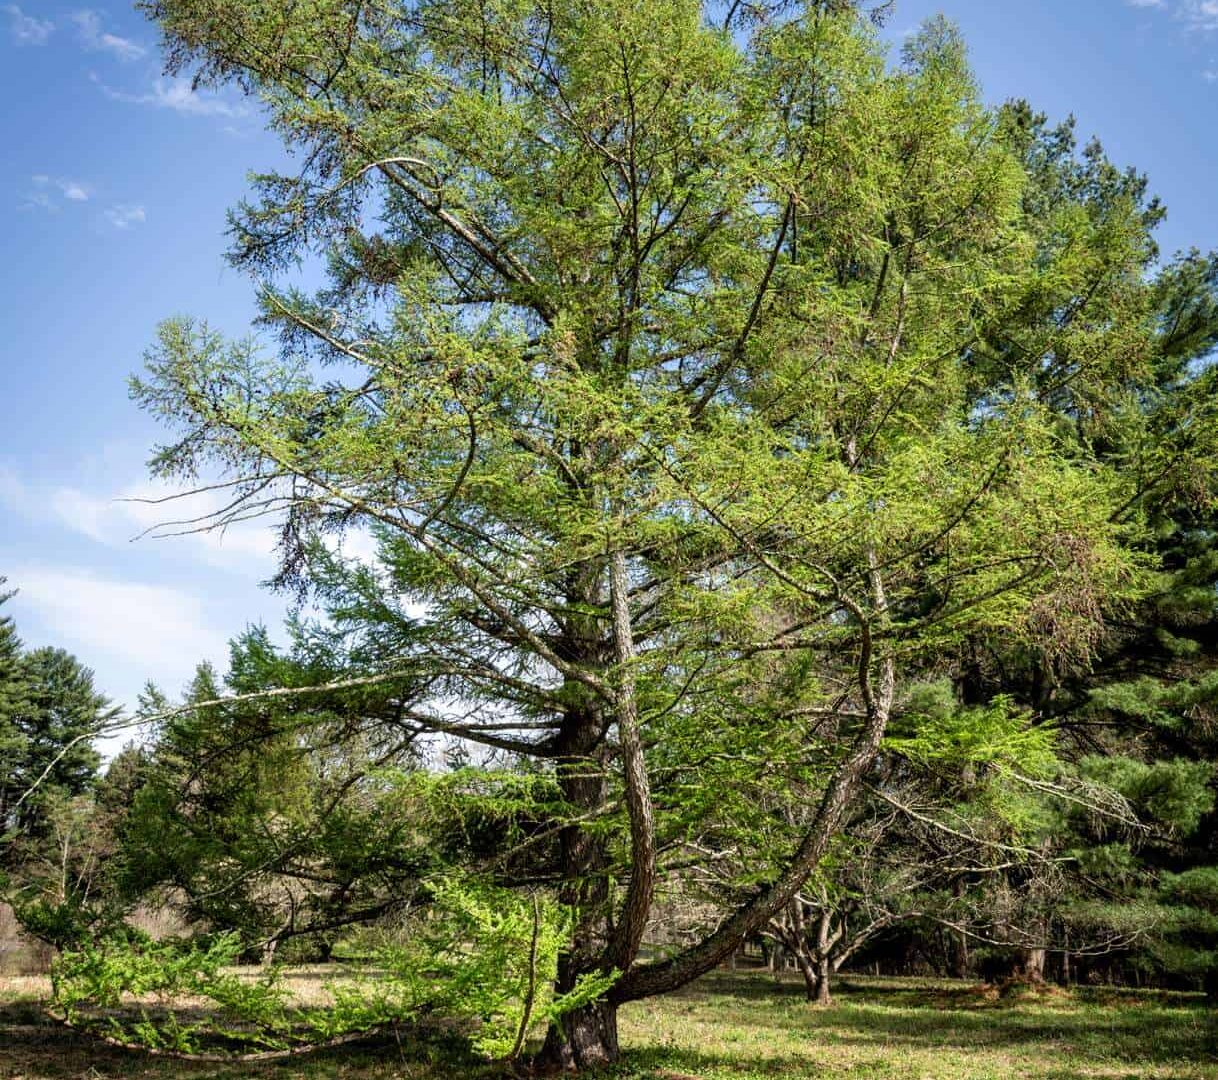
809	973
584	1039
632	921
1031	966
583	873
588	1037
821	993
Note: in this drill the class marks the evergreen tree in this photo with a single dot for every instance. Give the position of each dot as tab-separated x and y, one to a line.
57	723
282	818
14	689
705	386
49	713
52	850
1134	710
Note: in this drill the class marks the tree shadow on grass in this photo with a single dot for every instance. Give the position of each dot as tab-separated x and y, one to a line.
34	1046
870	1024
1090	1028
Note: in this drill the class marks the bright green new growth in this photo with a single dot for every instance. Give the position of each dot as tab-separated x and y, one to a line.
480	956
706	387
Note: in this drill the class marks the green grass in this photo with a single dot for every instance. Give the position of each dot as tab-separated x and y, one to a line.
919	1030
745	1027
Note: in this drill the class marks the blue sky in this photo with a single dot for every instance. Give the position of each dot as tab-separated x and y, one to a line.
113	189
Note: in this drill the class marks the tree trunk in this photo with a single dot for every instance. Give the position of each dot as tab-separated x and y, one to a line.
960	956
627	935
583	1039
822	969
960	959
804	962
815	970
583	888
1032	966
809	981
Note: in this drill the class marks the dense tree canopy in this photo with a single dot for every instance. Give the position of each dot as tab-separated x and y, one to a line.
711	386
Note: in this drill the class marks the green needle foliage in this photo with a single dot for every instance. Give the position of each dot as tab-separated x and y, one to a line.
14	691
705	381
49	713
480	956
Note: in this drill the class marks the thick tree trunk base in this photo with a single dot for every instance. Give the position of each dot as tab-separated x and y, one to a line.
816	989
823	997
1032	966
816	982
583	1039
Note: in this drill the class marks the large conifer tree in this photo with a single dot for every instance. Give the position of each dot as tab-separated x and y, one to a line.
699	381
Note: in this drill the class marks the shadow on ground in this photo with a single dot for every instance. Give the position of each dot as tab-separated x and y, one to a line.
1055	1035
742	1026
36	1047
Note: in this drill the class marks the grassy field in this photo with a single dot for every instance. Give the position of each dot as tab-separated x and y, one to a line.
745	1027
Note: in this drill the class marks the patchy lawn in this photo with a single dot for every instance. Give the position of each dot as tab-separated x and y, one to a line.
742	1027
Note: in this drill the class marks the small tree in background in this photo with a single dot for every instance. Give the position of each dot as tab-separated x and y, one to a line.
284	818
14	690
53	845
50	713
61	716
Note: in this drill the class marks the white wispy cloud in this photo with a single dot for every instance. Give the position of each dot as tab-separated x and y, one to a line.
1199	15
137	510
26	29
95	39
39	200
162	629
176	94
125	215
158	608
154	507
46	192
73	190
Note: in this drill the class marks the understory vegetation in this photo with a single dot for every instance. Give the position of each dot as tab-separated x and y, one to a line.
743	1027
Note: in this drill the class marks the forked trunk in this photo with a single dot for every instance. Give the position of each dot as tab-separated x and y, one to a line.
815	971
583	1039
